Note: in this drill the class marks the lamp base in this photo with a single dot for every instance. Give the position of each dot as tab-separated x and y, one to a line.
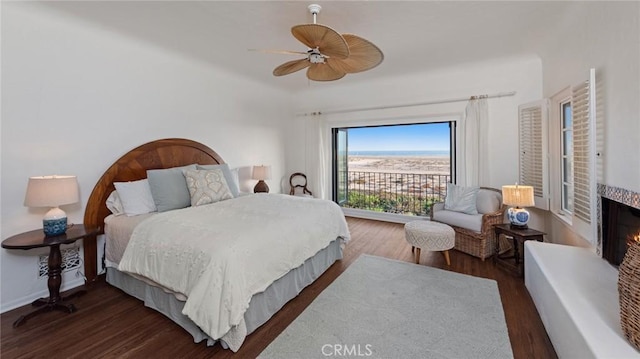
54	222
261	187
519	217
517	226
54	227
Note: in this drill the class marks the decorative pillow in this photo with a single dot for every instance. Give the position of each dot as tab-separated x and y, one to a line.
488	201
207	186
169	188
135	197
114	204
461	199
233	186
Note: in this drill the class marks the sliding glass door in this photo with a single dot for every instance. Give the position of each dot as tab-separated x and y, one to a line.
340	165
398	169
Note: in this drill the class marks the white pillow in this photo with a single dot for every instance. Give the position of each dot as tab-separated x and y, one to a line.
488	201
461	199
136	197
114	204
207	186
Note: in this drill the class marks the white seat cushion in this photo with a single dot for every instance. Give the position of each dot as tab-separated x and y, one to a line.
468	221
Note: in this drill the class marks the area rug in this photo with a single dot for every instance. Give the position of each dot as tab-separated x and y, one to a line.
383	308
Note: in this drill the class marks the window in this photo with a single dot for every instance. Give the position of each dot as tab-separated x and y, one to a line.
566	130
572	134
399	169
572	156
561	150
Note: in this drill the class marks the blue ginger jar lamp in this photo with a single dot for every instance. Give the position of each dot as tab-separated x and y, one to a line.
52	192
519	197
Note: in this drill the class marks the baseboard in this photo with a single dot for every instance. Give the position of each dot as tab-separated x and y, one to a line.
380	216
17	303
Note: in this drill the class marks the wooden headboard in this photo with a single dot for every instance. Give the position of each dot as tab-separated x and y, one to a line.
165	153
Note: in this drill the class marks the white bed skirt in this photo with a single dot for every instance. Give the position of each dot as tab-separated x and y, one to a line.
262	306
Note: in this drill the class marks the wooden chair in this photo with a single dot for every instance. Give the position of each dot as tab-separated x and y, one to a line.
299	184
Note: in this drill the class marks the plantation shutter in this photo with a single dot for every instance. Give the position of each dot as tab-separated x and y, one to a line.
532	131
583	103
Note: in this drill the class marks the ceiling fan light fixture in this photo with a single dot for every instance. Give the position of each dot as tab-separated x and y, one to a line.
316	58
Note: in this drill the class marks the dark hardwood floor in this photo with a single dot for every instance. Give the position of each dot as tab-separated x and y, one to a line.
109	323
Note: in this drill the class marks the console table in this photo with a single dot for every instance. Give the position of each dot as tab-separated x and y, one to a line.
37	239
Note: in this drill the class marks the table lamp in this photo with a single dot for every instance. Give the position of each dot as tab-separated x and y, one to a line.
261	173
52	191
520	197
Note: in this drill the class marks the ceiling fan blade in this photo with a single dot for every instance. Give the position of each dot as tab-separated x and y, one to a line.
328	41
364	56
291	67
286	52
322	72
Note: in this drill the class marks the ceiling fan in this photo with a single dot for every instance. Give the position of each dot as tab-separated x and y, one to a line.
331	55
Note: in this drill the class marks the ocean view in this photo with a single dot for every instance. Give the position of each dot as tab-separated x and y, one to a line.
430	153
398	168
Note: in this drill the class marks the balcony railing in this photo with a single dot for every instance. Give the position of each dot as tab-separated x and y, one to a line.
402	193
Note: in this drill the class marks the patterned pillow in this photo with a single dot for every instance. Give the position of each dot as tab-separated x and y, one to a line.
461	199
207	186
232	182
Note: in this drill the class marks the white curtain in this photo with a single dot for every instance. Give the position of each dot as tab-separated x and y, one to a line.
316	156
473	161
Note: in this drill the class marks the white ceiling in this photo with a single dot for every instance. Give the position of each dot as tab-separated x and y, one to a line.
414	35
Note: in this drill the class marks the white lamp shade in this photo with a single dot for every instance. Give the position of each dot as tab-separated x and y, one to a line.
261	172
519	196
51	191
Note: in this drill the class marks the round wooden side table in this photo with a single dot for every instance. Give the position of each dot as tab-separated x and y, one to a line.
37	239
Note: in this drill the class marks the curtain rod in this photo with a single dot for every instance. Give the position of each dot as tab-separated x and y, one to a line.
501	94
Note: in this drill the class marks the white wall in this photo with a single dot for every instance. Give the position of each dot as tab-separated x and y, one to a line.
604	36
522	75
76	97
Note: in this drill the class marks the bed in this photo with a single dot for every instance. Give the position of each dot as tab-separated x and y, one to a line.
233	280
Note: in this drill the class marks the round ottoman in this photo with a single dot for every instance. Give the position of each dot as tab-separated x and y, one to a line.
432	236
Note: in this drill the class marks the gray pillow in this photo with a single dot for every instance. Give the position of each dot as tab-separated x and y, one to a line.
233	187
461	199
169	188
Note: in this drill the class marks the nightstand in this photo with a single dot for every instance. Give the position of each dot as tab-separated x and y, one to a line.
515	261
37	239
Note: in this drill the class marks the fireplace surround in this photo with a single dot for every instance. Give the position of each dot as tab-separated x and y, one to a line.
619	221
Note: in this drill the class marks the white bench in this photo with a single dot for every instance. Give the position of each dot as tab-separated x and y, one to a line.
576	294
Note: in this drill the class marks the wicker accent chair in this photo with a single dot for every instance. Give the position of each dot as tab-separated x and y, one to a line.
478	241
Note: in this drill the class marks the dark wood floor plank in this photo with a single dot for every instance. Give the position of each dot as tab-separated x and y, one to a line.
111	324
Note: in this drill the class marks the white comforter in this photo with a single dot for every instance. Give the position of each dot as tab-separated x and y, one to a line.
220	255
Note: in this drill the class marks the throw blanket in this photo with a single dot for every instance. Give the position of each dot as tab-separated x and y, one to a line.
220	255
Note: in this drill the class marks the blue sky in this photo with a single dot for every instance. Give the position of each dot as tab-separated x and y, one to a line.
422	137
